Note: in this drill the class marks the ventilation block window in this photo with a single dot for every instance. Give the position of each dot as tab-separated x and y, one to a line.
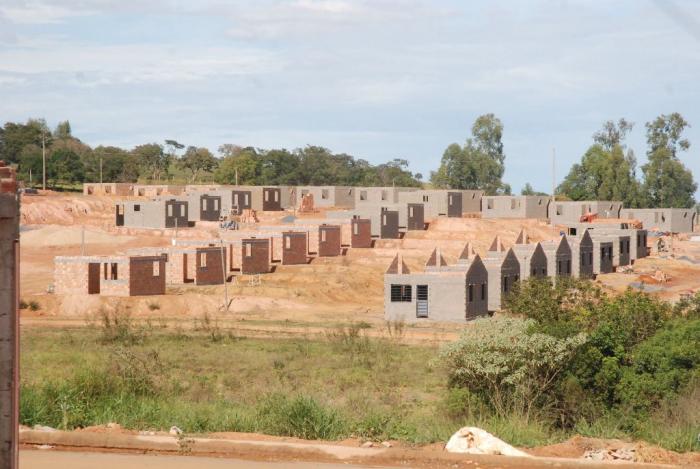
355	229
363	195
425	198
560	209
483	291
156	268
203	260
288	242
182	210
410	212
137	208
216	204
471	293
489	204
277	196
267	196
384	195
248	250
324	194
323	236
401	293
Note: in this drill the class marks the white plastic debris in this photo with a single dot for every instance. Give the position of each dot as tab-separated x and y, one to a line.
43	428
473	440
175	431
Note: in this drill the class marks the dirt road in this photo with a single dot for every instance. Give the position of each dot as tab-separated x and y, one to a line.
40	459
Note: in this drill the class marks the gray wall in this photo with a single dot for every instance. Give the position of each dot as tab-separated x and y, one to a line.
500	266
520	206
531	258
446	297
565	212
674	220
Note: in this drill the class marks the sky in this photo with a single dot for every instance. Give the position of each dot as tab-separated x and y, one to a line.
378	79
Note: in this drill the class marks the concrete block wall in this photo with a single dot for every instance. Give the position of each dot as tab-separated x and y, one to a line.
515	206
108	188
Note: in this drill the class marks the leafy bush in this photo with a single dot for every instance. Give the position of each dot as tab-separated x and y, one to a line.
507	365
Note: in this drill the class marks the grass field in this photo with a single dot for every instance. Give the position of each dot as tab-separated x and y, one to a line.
150	377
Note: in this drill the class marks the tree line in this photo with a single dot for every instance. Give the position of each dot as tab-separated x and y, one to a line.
71	161
607	170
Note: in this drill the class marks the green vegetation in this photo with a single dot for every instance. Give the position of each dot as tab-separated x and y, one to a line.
69	161
573	360
146	376
608	169
583	361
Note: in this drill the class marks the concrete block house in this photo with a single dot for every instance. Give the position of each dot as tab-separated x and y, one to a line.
531	256
559	257
602	254
448	203
566	212
329	196
503	271
581	255
667	220
156	214
515	206
109	275
441	293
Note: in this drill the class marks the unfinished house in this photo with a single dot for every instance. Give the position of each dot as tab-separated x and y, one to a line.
361	236
503	271
191	262
440	293
260	198
415	217
559	257
108	188
345	225
329	196
449	203
255	256
295	247
157	190
369	197
329	244
153	214
666	220
531	256
620	246
515	206
567	212
602	254
389	224
109	275
581	255
207	206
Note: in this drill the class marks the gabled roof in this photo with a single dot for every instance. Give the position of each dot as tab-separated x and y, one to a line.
436	259
523	237
398	266
497	245
468	252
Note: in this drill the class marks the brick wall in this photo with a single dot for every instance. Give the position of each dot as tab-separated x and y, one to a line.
329	240
211	271
294	248
143	280
361	233
255	256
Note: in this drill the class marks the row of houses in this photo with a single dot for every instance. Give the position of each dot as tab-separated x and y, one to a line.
147	271
476	286
211	202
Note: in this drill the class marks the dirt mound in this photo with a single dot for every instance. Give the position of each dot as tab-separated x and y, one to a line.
60	209
69	236
577	446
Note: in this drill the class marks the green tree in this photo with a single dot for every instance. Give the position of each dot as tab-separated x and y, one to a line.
117	165
479	163
31	162
198	160
64	166
63	130
151	159
607	170
667	182
245	164
14	137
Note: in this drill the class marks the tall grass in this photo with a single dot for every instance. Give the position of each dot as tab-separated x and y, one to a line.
348	384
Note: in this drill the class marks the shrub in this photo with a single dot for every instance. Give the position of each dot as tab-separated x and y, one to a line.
506	365
301	416
118	327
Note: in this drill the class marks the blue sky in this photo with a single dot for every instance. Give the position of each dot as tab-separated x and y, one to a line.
378	79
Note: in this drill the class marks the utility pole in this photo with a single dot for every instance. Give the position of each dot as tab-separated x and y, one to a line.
236	176
554	183
43	158
223	272
103	189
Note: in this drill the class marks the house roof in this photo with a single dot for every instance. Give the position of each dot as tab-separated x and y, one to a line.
436	259
398	266
467	253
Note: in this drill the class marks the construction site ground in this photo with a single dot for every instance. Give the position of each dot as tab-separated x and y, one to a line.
296	301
